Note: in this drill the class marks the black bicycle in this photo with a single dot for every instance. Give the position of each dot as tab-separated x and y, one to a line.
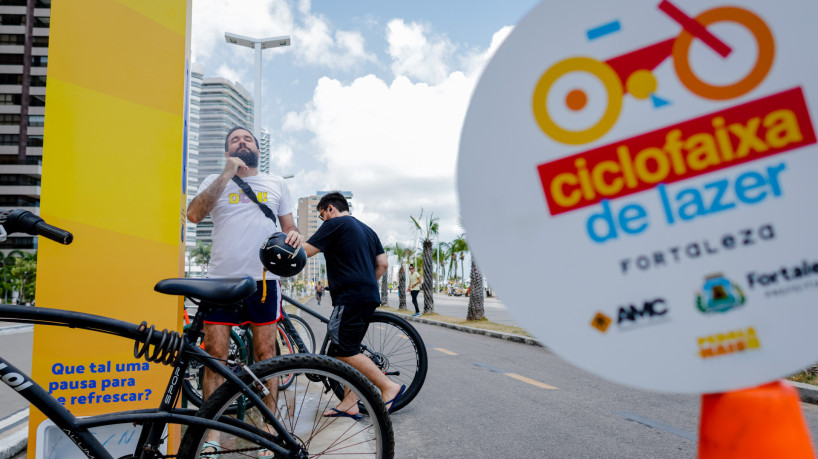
290	425
390	341
240	352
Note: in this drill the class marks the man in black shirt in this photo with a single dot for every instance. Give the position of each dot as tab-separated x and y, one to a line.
355	262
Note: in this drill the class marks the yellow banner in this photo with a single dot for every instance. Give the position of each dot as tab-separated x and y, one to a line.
113	176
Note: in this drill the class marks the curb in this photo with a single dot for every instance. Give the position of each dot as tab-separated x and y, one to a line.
807	392
13	434
475	331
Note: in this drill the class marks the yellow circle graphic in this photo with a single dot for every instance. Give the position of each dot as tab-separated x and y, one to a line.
599	69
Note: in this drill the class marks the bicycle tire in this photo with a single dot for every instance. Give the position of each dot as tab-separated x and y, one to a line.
284	343
192	384
299	409
304	332
395	345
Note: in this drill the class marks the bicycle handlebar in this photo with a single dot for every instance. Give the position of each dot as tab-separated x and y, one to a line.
23	221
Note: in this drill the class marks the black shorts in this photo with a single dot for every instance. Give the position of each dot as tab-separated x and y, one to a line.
347	327
254	311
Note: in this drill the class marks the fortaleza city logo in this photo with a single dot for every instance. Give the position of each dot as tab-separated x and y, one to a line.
632	315
761	128
730	342
719	295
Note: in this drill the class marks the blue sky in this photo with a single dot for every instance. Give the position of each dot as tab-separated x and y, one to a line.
369	98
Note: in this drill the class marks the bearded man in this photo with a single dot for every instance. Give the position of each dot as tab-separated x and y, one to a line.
239	229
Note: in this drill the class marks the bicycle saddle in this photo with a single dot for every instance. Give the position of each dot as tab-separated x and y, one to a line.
225	290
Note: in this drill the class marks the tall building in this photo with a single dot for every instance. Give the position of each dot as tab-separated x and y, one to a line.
24	29
264	151
223	105
195	94
308	223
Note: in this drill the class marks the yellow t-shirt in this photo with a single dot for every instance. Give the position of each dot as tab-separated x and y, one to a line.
414	278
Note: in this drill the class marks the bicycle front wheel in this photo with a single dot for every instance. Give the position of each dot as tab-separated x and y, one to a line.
398	350
300	410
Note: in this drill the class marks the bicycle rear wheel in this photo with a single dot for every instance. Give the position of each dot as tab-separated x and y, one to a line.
299	409
304	332
398	350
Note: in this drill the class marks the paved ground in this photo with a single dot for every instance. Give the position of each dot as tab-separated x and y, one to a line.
457	306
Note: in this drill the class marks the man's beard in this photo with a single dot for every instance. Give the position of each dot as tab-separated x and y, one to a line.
249	158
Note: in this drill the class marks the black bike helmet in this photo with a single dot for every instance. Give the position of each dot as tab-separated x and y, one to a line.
281	258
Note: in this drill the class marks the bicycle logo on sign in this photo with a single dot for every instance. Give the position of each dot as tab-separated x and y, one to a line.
632	73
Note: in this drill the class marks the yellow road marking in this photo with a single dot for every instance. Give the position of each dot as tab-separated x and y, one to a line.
404	336
445	351
531	381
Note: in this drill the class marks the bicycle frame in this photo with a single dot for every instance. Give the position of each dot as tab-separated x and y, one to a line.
154	420
288	325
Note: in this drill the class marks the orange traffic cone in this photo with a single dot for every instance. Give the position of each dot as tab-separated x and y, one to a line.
762	422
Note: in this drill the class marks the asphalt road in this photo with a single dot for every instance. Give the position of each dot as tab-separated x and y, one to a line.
486	397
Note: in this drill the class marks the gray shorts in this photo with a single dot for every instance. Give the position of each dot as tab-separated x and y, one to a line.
347	327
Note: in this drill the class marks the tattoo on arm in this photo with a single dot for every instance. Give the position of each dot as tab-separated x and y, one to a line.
203	203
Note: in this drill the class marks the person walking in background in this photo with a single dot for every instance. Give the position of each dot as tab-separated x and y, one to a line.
414	288
355	261
319	291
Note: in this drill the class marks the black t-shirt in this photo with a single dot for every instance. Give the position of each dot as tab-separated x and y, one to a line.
350	248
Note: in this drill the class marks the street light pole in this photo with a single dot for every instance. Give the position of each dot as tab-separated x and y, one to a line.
257	44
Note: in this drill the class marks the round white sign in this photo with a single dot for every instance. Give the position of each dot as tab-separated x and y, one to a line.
637	179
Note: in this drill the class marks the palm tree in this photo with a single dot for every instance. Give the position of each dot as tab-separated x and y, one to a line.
401	252
201	254
385	281
476	301
427	232
440	257
458	247
477	308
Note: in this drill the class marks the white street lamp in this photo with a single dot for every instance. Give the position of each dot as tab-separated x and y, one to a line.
257	44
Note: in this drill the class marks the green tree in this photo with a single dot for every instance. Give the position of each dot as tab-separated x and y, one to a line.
427	230
440	257
456	249
23	275
201	255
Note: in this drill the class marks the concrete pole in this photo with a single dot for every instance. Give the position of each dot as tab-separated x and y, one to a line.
257	93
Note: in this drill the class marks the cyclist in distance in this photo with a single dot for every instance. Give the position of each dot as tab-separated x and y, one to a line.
355	261
239	229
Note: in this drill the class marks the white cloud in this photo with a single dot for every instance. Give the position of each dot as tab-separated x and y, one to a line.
229	73
417	56
314	40
255	18
318	45
394	144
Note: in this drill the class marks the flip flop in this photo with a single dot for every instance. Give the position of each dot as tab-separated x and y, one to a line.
342	414
391	403
216	448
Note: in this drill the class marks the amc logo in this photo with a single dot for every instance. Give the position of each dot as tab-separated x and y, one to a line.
632	315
